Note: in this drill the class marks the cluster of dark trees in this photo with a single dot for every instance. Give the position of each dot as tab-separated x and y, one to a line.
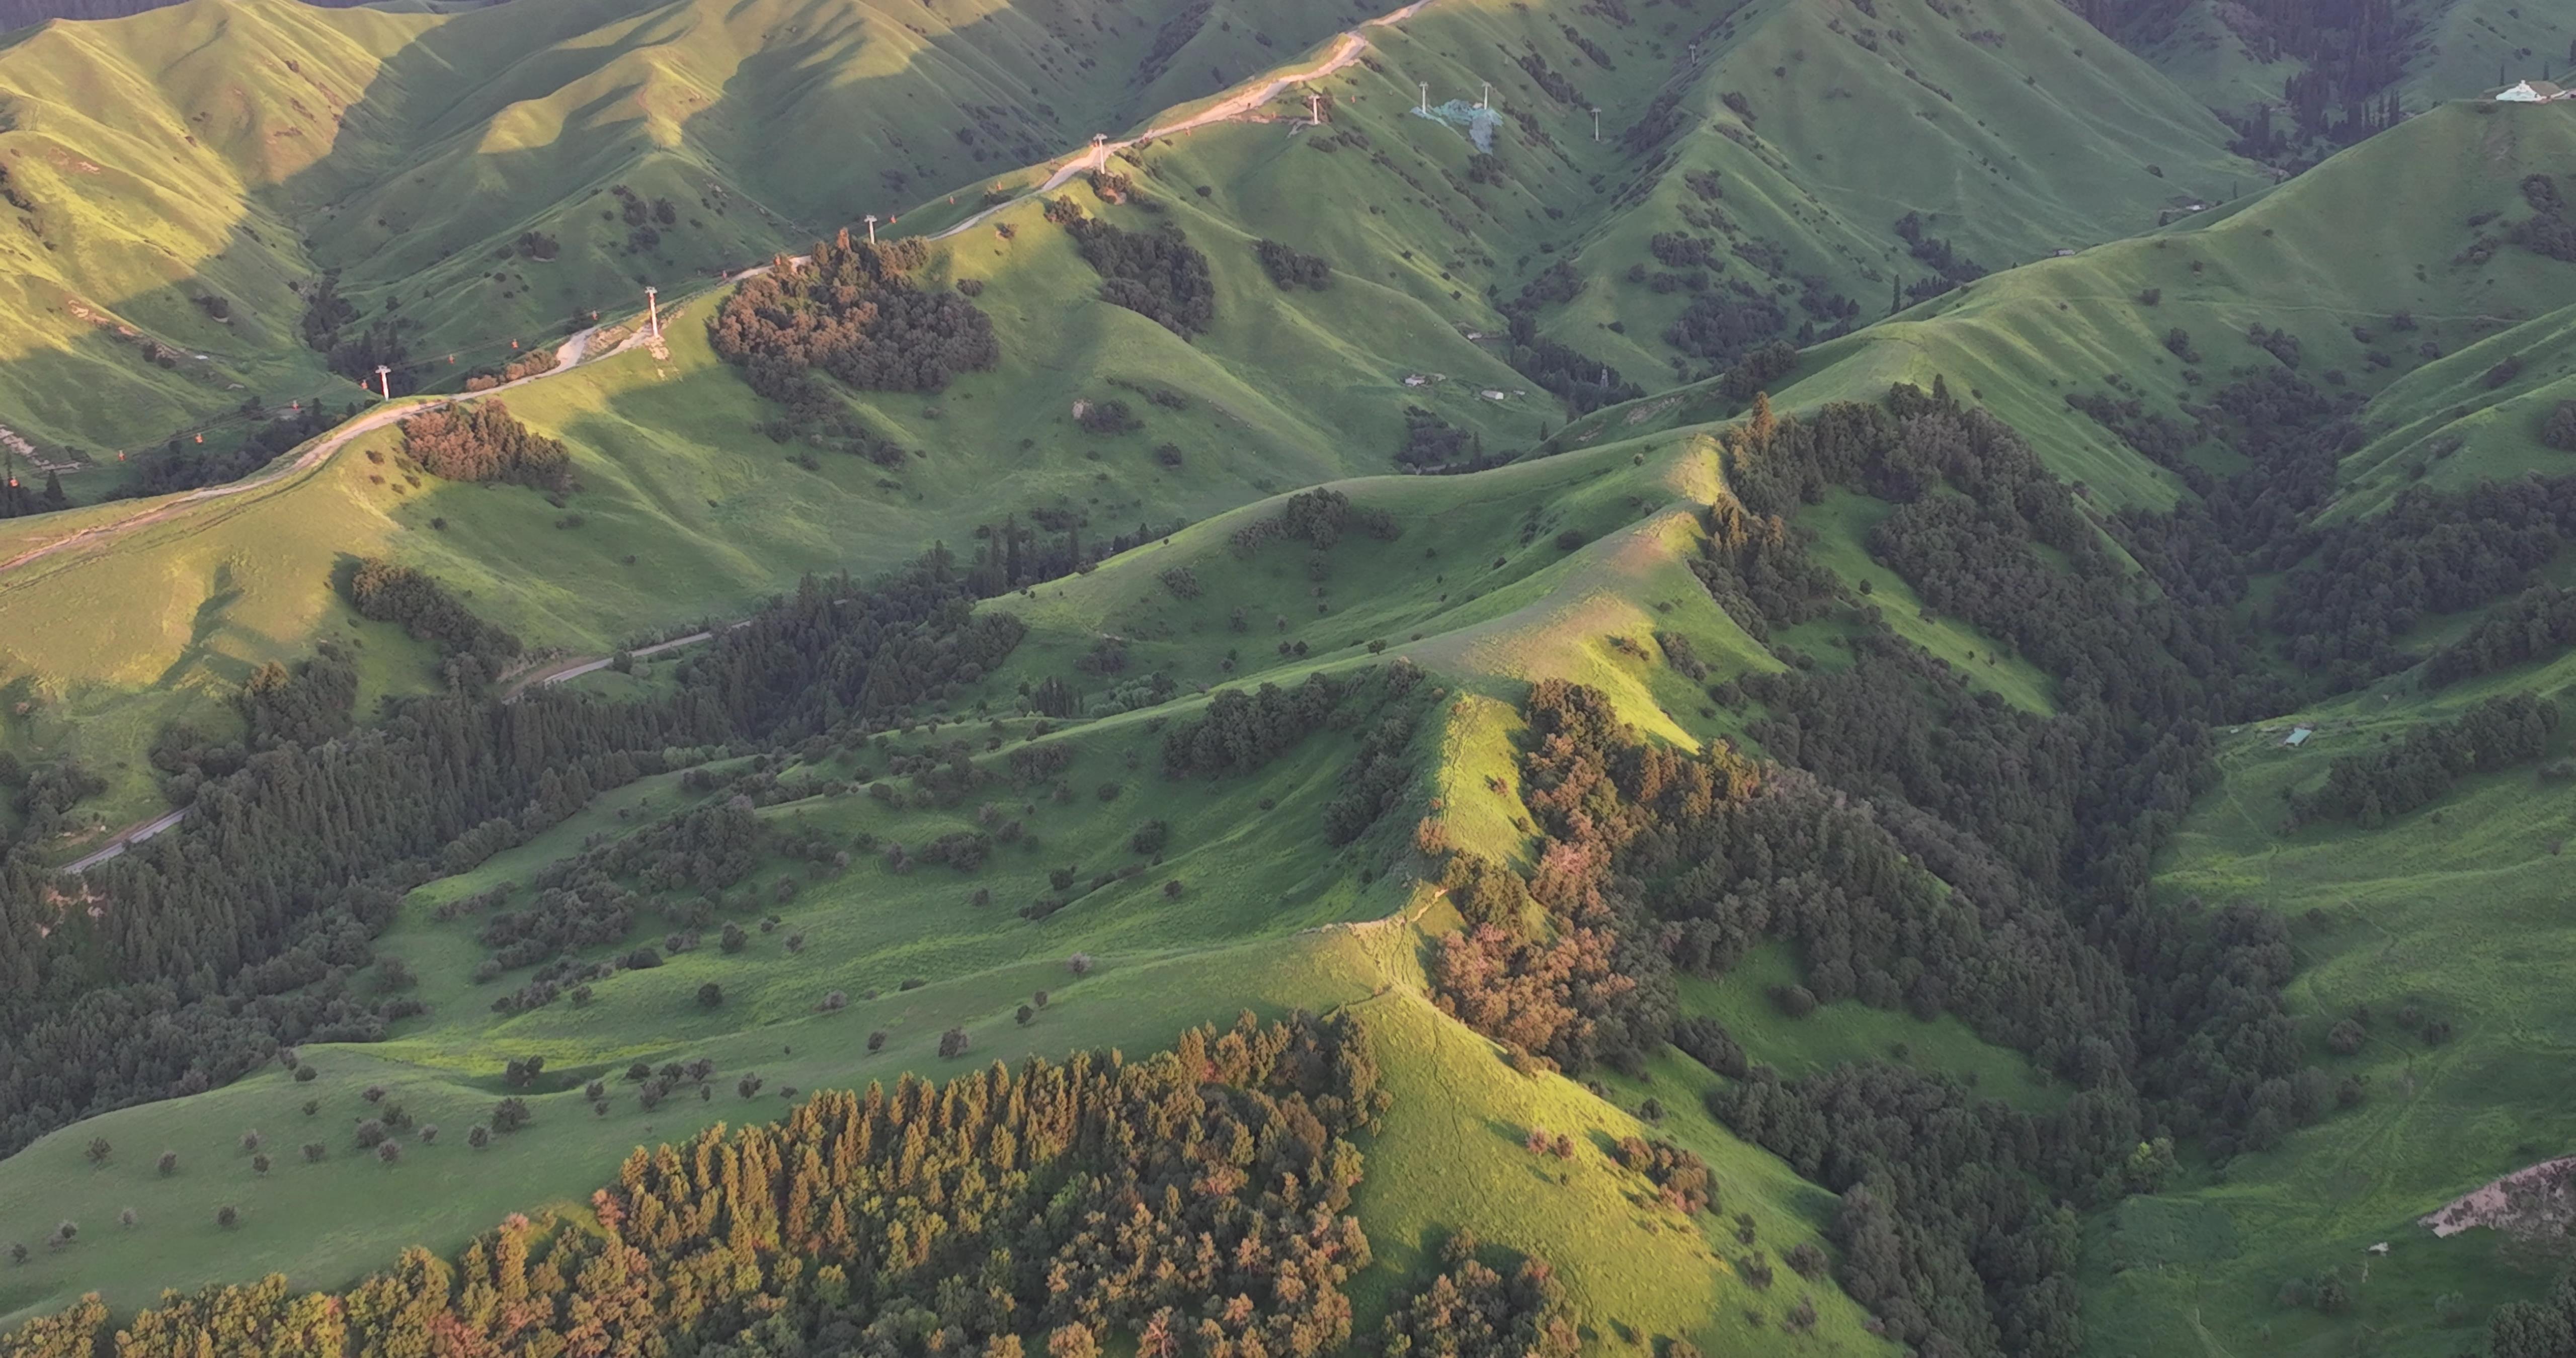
1725	324
1318	518
21	496
2344	610
2369	788
1757	370
2559	430
483	441
2539	622
1948	266
1239	732
43	797
387	592
332	328
240	929
2536	1329
1434	444
1581	381
181	465
1290	268
850	311
1014	555
1472	1310
2349	55
1381	770
1921	844
1193	1202
1156	274
2548	231
303	705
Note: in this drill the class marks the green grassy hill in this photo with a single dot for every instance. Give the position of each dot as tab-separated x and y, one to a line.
2410	310
2394	280
221	155
186	178
1262	920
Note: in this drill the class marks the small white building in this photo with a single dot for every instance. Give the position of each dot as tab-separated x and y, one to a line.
2299	736
2533	92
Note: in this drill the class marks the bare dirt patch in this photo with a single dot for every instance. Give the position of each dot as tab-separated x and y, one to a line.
2533	1202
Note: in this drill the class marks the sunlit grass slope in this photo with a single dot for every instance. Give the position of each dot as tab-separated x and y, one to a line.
1263	920
236	151
686	510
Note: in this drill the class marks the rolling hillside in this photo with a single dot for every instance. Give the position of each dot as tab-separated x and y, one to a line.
186	180
1802	801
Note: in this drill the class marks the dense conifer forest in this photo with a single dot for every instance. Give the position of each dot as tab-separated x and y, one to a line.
1193	1202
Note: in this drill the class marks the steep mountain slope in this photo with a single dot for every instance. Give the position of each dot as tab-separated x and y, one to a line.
1288	387
2393	268
1921	777
2302	78
186	179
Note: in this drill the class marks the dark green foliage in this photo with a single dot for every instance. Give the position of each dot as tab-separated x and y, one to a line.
1949	267
251	919
1723	326
850	312
1580	380
2559	430
1221	1170
2280	344
1240	732
1317	518
2536	1329
1945	1234
2548	231
2371	787
1290	269
1758	571
1470	1310
1431	442
1483	892
1156	274
482	441
2371	580
302	706
1756	370
186	466
1706	1041
387	592
1380	774
2539	622
1107	417
327	320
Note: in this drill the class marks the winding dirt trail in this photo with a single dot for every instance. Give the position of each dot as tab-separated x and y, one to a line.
1346	49
573	352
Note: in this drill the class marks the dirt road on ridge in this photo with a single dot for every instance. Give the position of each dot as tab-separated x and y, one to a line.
569	354
574	352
